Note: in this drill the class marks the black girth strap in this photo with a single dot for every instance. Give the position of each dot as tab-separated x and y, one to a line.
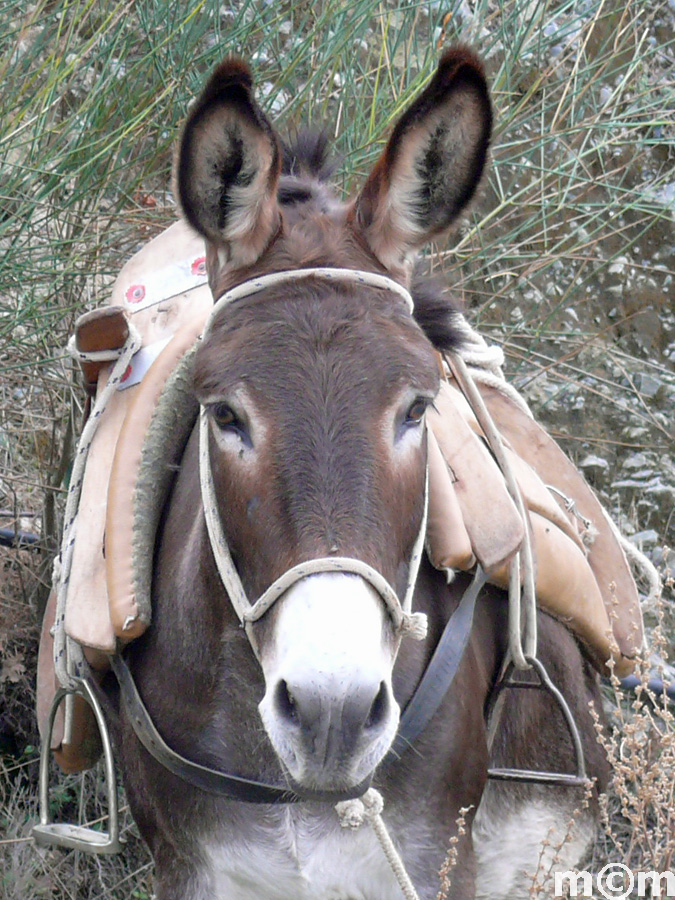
419	711
441	671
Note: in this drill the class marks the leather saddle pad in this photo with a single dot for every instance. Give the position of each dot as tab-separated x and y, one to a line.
582	575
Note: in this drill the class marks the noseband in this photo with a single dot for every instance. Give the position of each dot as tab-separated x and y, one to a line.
404	620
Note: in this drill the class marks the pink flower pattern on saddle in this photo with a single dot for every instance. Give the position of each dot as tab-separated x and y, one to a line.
135	293
199	266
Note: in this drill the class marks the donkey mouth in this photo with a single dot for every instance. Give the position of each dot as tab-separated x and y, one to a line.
330	796
330	763
333	752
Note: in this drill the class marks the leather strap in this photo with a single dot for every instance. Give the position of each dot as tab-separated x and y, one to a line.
441	671
214	781
424	703
211	780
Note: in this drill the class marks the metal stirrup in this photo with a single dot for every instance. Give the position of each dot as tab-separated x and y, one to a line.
78	837
566	779
522	646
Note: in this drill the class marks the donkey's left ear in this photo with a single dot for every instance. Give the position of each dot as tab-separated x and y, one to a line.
431	165
229	162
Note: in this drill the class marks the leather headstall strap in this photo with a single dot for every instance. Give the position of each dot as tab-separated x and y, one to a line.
440	672
213	781
404	620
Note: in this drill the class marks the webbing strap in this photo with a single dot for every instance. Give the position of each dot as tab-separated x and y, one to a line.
441	671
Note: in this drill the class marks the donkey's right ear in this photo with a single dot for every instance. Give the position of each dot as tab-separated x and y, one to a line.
229	162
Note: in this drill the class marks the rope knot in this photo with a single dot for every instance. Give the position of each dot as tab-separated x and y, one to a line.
415	625
351	813
373	803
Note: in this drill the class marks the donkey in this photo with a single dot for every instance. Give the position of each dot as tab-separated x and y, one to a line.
314	394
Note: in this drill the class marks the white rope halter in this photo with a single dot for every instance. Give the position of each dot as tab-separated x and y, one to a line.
354	276
404	620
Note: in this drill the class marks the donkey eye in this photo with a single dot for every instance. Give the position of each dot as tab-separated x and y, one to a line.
416	411
224	416
230	422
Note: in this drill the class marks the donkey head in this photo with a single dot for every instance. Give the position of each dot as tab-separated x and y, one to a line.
316	393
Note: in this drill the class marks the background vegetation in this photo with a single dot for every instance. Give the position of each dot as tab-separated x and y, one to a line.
567	260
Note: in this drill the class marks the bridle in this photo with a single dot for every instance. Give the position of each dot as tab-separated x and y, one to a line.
445	660
400	611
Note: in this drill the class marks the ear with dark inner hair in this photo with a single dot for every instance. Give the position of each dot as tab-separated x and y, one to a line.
431	166
228	168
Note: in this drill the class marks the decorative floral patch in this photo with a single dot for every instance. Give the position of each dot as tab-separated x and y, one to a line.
199	266
135	293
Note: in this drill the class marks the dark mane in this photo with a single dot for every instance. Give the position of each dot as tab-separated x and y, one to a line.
305	169
306	160
435	312
307	155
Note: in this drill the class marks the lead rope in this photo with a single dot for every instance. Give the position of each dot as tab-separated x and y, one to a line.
353	813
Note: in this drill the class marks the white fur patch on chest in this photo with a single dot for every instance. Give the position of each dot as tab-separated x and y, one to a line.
510	848
300	856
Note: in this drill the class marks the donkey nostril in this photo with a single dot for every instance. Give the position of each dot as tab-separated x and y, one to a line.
379	708
285	703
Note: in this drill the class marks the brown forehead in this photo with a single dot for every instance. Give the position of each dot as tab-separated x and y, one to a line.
312	234
317	338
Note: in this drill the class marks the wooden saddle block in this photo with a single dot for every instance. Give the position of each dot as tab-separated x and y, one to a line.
100	329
